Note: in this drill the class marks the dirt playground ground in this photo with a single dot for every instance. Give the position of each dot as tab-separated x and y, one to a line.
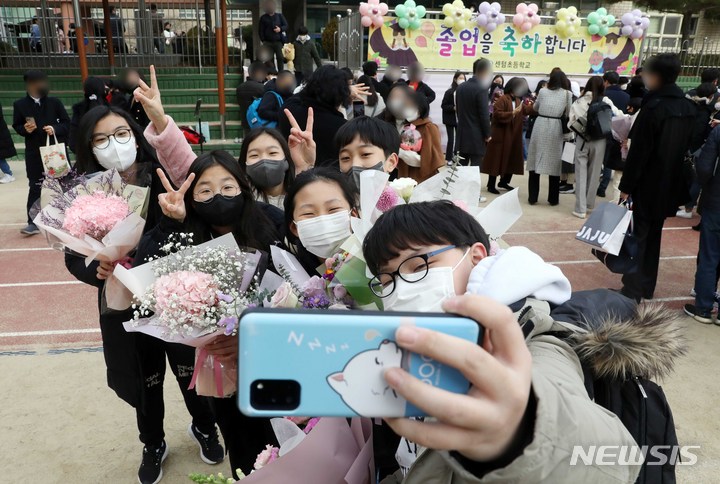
61	424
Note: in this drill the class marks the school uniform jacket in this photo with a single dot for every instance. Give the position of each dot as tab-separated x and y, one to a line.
51	112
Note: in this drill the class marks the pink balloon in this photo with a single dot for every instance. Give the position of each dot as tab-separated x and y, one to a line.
421	41
521	8
518	19
364	7
366	21
526	27
428	29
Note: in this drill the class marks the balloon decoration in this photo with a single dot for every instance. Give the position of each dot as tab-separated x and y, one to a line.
599	22
634	24
457	15
409	15
489	16
526	16
372	13
567	22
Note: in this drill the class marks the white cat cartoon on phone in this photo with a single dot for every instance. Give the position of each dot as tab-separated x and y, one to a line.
362	386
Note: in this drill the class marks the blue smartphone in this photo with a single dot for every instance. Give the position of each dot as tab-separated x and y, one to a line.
331	363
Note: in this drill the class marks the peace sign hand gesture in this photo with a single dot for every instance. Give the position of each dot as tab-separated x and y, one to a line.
301	142
172	202
149	97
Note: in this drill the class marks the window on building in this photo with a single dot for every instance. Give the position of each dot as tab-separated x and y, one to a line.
665	31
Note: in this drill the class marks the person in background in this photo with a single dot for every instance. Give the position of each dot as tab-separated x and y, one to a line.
35	117
305	55
653	177
392	75
710	75
496	90
449	114
546	143
169	36
94	92
7	150
123	96
35	37
620	99
272	30
250	90
118	32
636	86
60	37
703	100
471	103
504	156
623	82
530	120
374	104
416	73
370	69
589	154
398	99
156	21
72	36
709	251
270	107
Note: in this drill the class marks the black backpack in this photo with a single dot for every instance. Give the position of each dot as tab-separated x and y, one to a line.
599	121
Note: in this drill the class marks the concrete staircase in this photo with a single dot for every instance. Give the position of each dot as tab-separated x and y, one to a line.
180	91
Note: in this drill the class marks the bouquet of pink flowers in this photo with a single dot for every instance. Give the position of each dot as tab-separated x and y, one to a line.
191	295
99	217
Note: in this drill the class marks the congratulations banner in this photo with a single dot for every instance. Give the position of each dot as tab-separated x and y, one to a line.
535	52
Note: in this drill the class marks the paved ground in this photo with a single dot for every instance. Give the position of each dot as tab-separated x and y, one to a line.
61	424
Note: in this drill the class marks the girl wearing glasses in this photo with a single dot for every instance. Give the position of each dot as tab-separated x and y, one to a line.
107	139
521	411
217	199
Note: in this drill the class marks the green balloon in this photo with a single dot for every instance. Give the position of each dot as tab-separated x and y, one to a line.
604	30
593	29
400	10
593	18
610	20
410	3
415	24
403	23
420	10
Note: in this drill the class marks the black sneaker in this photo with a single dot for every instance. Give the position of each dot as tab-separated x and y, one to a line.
505	186
30	229
600	193
697	227
151	468
567	189
493	190
211	452
704	317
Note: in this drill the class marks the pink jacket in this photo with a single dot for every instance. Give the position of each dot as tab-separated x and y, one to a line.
173	150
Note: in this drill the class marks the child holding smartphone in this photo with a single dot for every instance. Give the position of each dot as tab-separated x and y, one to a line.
527	404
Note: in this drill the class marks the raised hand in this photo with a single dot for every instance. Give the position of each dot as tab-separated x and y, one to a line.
302	145
172	202
149	97
359	92
482	424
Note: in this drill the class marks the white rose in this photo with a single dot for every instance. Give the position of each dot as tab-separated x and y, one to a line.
404	187
284	297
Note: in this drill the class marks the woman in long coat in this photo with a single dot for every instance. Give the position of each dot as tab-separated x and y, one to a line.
504	155
546	142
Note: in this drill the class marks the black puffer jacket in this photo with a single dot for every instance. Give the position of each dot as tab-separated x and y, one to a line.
7	147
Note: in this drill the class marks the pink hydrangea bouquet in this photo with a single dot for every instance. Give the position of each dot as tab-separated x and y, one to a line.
95	215
100	216
191	295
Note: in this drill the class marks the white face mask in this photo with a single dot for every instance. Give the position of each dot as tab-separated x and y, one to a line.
459	81
426	295
411	114
117	156
323	235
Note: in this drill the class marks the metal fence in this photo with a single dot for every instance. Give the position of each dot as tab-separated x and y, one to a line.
180	34
695	54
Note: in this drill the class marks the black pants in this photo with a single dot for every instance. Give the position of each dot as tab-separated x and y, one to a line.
471	159
450	149
648	233
504	180
34	168
244	436
534	188
277	46
182	363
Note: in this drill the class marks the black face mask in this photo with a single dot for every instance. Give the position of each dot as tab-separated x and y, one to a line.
220	211
268	173
353	173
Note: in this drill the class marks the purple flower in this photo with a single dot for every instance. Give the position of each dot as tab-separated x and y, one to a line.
230	323
388	199
224	297
339	291
320	301
314	286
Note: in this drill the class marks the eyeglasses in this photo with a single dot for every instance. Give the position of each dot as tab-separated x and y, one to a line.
204	195
413	269
121	135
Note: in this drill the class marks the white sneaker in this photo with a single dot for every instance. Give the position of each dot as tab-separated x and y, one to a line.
683	214
483	199
7	179
580	215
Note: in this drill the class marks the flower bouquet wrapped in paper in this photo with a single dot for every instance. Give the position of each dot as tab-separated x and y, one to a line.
325	450
411	139
99	217
190	296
